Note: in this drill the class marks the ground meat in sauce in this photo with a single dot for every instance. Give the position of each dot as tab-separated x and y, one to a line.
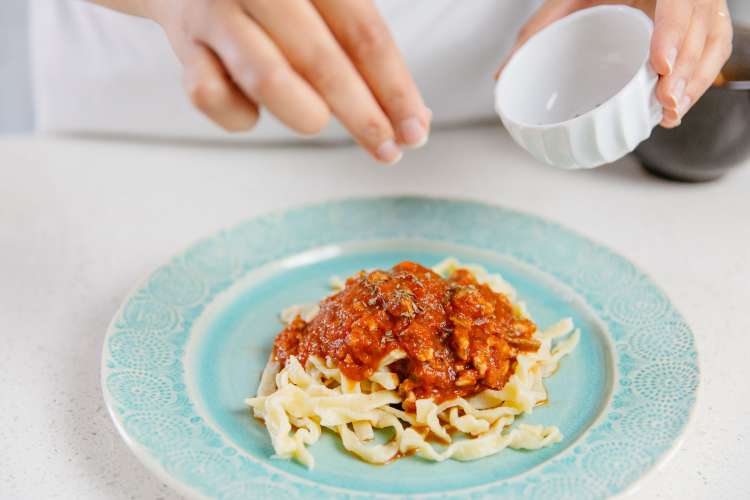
460	337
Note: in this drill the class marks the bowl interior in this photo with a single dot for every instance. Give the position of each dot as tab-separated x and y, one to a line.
574	65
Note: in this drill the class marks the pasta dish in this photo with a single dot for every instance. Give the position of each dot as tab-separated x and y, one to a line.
434	362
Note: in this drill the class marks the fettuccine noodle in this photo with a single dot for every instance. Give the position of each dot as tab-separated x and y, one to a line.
297	402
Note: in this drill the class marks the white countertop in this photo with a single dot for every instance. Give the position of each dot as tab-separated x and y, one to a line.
82	220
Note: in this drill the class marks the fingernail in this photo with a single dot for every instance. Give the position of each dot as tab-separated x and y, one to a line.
671	59
678	90
389	152
684	105
413	133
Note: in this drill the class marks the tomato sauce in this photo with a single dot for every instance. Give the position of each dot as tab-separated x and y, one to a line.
459	336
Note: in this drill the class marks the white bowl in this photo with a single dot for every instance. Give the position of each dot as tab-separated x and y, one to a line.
581	92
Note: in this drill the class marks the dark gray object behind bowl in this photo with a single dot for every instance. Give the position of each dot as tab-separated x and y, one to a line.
714	135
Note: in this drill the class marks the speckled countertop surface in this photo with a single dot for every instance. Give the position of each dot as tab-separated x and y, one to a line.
82	220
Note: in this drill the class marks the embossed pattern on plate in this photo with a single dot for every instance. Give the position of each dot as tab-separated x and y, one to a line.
145	379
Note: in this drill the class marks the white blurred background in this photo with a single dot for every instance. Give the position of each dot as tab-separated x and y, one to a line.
16	106
16	114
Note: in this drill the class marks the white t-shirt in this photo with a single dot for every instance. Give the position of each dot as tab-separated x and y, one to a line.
95	70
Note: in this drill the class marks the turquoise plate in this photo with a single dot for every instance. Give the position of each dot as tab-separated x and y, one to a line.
188	345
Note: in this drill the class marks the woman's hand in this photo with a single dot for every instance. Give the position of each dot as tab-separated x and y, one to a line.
301	60
692	40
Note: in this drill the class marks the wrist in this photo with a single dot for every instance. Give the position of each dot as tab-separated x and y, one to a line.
156	10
